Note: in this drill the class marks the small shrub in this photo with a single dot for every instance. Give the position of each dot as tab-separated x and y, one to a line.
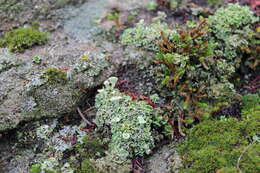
195	75
199	60
23	38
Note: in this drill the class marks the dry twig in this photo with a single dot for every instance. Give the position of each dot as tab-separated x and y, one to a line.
83	117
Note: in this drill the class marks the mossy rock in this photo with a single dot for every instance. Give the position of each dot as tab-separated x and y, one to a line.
21	39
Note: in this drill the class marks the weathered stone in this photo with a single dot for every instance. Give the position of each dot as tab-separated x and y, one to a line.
27	93
15	12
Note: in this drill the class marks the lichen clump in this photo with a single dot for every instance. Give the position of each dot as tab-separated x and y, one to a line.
21	39
145	36
232	27
90	64
129	121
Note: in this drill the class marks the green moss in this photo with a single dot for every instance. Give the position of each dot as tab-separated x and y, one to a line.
251	159
214	2
35	168
55	76
23	38
113	16
86	167
228	170
217	145
91	147
35	25
201	135
151	6
250	101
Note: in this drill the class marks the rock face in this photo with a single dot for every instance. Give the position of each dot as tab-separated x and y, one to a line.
31	91
71	66
165	160
68	71
15	12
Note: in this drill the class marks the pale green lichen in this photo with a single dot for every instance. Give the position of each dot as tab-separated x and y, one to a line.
46	130
232	26
145	36
90	64
56	145
234	19
128	121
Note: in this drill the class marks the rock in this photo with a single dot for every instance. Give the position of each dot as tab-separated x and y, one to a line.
127	5
82	22
165	160
28	91
71	66
14	13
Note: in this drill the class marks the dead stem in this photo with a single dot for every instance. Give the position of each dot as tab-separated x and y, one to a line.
89	109
238	161
83	117
179	127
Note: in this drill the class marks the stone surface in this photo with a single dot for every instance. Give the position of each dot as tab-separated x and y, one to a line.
165	160
14	13
26	94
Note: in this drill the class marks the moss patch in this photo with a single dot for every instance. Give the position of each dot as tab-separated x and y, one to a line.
225	146
87	167
91	147
55	76
21	39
